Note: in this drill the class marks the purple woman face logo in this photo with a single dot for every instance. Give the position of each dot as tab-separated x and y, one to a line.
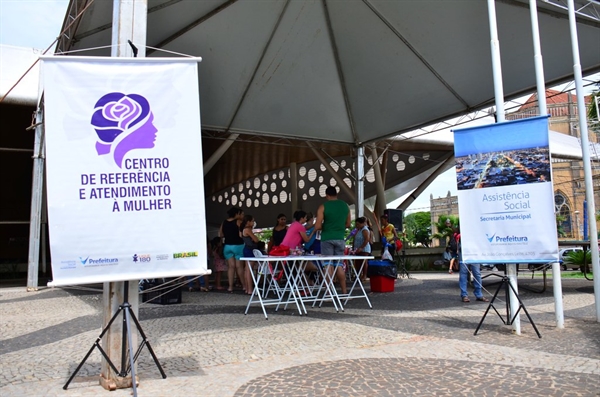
123	123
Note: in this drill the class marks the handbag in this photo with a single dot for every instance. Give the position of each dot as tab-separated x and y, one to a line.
280	250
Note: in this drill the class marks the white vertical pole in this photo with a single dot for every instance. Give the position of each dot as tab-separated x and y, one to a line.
511	268
541	90
129	23
537	58
496	64
585	149
360	182
294	187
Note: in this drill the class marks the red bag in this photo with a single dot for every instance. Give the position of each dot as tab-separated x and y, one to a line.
398	245
280	250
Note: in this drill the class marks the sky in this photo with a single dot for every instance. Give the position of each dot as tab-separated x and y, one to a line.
36	23
31	23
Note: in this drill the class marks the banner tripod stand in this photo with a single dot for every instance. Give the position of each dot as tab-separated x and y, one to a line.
401	265
507	287
128	315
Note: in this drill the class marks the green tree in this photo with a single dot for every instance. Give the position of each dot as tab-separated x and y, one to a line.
445	232
417	227
560	220
592	112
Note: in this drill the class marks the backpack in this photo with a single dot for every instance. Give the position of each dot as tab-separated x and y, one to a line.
453	244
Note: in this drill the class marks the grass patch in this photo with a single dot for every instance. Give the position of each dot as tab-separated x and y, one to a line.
574	274
564	274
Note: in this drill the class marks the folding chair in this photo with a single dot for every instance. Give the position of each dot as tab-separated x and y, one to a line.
269	274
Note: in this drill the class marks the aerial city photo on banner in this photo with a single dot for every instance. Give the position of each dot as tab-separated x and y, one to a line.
512	164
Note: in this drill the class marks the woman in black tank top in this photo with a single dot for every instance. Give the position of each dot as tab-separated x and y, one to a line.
234	245
279	232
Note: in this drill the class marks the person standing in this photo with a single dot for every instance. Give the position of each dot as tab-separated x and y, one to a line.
333	217
233	249
250	244
362	244
218	261
453	247
463	276
388	230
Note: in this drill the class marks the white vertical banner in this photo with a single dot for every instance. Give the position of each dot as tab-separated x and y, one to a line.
505	193
124	168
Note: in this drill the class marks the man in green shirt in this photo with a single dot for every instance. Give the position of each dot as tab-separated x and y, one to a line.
333	217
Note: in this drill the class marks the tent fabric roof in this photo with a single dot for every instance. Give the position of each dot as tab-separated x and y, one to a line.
14	62
347	71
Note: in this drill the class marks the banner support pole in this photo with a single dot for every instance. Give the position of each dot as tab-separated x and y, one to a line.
585	150
37	188
129	26
541	92
511	268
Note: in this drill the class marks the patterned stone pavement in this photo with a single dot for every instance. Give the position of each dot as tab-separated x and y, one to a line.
416	341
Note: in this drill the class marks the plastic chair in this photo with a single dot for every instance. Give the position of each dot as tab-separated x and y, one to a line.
269	274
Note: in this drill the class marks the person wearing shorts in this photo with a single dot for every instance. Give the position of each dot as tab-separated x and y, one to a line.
233	249
333	217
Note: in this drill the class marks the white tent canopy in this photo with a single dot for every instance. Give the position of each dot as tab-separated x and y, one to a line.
347	71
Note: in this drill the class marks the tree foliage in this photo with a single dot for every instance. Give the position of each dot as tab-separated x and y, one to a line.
592	112
417	227
581	258
560	219
445	232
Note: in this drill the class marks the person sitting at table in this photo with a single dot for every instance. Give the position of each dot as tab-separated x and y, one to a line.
314	244
296	235
262	247
279	232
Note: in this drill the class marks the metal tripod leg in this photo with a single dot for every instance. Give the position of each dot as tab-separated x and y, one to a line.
506	284
522	306
125	309
97	345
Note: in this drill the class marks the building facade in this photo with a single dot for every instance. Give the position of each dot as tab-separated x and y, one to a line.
441	206
567	176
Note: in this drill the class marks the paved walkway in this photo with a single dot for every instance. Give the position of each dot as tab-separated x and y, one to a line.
416	341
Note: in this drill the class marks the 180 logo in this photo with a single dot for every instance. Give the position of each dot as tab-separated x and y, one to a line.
142	258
